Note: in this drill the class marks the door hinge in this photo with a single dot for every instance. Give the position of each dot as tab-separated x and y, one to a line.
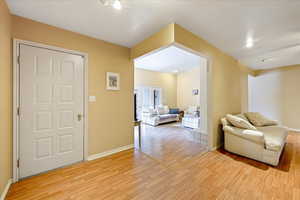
18	111
18	60
18	163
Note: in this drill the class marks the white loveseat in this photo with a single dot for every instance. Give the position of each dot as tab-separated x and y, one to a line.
158	116
264	144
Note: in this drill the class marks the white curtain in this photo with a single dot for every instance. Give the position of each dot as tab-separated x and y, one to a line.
145	98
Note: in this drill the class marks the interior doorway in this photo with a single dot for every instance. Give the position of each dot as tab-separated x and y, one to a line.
171	92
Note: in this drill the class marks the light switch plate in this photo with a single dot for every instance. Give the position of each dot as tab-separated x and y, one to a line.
92	98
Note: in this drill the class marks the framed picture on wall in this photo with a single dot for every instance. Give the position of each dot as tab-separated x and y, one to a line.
195	92
112	81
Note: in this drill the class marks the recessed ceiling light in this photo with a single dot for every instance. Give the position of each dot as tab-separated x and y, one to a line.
104	2
117	5
249	42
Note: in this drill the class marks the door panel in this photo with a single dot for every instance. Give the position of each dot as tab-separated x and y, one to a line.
51	98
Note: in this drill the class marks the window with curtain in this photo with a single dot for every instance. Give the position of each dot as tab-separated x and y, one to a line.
147	97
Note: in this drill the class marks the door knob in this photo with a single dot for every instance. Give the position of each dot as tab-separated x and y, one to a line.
79	117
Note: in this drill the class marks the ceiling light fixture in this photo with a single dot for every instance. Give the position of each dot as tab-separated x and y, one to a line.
249	42
116	4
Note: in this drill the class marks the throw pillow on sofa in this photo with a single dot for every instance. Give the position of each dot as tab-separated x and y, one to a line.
242	116
174	111
162	110
258	119
239	122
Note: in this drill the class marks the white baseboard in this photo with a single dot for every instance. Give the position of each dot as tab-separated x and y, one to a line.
294	130
4	193
110	152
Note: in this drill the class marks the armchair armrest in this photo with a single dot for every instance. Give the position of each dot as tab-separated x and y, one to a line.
251	135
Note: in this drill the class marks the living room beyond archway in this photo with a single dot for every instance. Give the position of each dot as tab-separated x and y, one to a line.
170	87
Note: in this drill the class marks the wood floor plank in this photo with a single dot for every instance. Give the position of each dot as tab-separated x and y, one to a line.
134	175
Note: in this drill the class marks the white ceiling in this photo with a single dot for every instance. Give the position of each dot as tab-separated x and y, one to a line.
170	59
273	24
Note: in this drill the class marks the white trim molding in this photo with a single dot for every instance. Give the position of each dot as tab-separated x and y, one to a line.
209	89
5	191
110	152
16	47
294	130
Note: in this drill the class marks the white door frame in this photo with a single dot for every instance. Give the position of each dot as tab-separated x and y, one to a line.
16	93
209	125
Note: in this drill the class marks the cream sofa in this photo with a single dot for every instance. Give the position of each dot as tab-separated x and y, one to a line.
264	144
158	116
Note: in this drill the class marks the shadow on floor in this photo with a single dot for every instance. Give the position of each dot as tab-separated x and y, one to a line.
284	163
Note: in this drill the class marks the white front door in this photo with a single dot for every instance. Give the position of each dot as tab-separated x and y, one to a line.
51	109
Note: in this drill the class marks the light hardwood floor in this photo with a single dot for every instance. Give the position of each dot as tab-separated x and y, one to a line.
170	142
134	175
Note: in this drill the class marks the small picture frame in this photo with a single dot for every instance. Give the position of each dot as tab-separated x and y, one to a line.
195	92
112	81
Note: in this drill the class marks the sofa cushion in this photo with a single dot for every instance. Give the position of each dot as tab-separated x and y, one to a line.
258	119
150	111
242	116
274	136
161	110
225	122
167	116
174	111
239	122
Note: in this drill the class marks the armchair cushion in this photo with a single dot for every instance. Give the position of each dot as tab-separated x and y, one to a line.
258	119
251	135
274	137
239	122
192	109
242	116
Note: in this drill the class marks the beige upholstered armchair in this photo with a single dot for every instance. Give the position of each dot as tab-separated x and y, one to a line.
191	117
264	143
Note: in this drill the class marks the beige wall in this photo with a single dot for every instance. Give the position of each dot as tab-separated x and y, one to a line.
111	107
276	94
160	39
6	96
166	81
186	82
227	74
227	77
245	92
282	68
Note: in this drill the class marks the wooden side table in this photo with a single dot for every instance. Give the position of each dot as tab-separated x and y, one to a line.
138	124
181	115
